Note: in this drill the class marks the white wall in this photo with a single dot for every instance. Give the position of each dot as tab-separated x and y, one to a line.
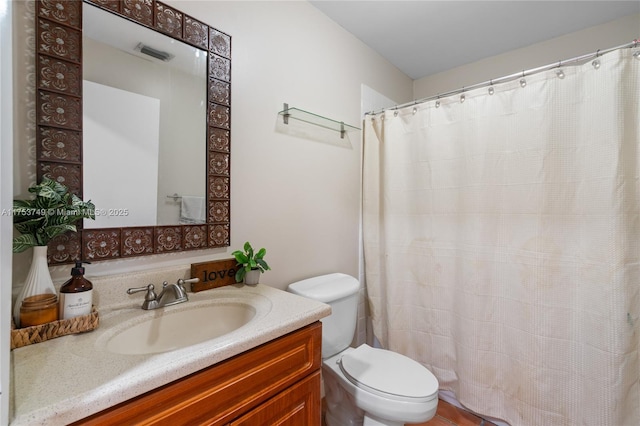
6	197
611	34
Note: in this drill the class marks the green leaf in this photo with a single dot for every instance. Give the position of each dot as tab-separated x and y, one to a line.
59	188
57	220
263	264
54	211
48	192
23	242
17	204
248	250
53	231
241	258
261	253
49	185
76	202
240	273
23	210
29	226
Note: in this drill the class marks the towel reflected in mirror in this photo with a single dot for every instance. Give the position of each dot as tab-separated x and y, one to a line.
192	210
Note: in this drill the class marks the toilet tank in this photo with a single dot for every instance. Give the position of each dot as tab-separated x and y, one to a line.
340	291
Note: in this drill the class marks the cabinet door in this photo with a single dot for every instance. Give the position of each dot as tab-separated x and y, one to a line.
296	406
225	391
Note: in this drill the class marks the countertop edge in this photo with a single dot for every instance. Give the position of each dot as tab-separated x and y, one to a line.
80	405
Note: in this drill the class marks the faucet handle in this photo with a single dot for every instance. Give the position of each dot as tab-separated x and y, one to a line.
187	288
151	295
150	299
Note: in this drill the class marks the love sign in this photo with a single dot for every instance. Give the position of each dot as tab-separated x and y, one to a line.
212	274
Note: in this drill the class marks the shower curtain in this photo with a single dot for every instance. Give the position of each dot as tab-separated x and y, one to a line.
501	243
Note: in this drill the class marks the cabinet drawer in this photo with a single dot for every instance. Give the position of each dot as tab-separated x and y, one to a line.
298	405
224	391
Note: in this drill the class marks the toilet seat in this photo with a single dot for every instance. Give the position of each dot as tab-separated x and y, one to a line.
389	374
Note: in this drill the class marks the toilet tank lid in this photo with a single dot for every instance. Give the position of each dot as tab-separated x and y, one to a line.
326	288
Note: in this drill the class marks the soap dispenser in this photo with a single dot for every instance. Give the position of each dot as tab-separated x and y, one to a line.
76	295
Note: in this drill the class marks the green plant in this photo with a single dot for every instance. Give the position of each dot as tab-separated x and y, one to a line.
53	212
249	260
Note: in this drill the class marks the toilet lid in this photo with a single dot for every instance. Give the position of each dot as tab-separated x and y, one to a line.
389	373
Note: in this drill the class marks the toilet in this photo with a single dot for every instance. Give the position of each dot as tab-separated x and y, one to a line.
364	385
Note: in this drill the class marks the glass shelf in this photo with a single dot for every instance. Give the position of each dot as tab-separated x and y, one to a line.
317	120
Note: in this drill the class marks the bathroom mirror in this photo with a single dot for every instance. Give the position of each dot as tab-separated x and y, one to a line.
149	123
183	171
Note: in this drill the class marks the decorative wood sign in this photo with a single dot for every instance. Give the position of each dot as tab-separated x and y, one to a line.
212	274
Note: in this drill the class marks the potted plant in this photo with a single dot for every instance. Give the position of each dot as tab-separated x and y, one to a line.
53	212
251	264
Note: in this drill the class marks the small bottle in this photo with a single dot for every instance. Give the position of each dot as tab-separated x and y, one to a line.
76	295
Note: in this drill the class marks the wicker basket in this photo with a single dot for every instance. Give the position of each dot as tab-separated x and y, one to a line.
40	333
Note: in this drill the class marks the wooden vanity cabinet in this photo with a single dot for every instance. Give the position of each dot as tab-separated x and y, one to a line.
277	383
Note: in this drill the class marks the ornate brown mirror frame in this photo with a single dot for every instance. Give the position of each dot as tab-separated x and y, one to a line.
59	126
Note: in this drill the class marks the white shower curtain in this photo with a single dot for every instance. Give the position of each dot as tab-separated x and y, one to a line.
501	243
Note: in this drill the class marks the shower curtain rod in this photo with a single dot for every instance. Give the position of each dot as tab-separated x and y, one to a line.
510	77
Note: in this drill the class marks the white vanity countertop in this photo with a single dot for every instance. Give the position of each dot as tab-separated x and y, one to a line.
66	379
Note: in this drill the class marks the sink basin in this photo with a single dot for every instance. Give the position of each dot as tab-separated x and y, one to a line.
189	325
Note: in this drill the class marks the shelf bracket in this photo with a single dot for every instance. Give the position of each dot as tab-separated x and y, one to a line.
285	116
342	131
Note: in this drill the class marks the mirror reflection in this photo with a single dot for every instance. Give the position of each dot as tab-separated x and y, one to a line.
144	124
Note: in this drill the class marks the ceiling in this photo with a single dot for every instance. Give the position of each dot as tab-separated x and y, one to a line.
426	37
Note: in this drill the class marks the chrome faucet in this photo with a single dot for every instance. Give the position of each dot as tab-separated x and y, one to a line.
171	294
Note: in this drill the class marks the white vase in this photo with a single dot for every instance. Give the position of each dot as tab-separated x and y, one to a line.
38	281
252	277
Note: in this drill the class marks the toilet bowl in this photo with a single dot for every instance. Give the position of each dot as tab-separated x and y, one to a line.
387	388
364	385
